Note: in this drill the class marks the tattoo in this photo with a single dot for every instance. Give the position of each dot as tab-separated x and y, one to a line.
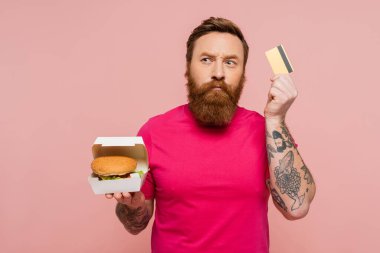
277	198
288	180
308	177
134	220
270	151
279	141
287	134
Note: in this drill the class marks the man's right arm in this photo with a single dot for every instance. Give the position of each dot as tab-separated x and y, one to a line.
134	219
133	211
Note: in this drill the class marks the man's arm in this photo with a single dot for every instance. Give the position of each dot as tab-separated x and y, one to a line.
135	219
291	184
133	210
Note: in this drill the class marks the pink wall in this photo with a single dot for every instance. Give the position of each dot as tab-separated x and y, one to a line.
71	71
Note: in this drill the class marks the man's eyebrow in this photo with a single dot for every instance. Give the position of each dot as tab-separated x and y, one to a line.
232	56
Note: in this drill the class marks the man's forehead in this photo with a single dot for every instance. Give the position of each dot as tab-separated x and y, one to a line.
219	44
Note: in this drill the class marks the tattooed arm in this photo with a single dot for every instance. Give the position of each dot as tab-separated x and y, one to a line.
133	211
291	183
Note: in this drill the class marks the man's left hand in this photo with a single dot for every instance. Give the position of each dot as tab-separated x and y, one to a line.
281	95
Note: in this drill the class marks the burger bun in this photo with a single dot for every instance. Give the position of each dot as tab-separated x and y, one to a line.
113	165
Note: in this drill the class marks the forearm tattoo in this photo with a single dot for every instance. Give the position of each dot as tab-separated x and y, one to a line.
288	180
287	177
308	177
276	197
134	220
270	151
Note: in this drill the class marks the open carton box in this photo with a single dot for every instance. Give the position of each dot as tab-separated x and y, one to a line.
133	147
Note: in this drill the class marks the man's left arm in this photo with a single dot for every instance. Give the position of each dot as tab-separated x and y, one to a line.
291	184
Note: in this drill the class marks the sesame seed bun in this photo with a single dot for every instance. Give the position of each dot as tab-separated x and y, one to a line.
113	165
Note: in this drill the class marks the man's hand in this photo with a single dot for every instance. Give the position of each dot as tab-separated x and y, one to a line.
133	211
131	199
281	95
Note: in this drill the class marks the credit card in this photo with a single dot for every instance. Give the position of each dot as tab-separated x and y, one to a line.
279	61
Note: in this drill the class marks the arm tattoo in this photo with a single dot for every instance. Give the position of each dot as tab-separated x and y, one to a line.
134	220
270	148
290	143
270	151
290	140
268	134
277	198
308	177
288	180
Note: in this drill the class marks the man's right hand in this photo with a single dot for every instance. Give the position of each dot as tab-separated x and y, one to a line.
131	199
133	210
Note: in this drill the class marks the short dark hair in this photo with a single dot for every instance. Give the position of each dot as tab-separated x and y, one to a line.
213	24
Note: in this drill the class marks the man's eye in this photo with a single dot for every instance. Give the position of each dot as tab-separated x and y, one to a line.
206	60
229	62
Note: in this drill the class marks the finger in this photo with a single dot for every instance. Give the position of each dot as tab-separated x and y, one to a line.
118	195
277	94
109	195
121	199
274	90
126	194
289	84
282	86
126	198
273	78
281	75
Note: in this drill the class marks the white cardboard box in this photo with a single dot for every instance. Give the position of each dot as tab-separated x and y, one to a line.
133	147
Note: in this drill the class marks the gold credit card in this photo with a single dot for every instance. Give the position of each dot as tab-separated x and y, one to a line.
279	61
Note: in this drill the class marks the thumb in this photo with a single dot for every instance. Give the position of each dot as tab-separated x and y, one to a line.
270	96
273	78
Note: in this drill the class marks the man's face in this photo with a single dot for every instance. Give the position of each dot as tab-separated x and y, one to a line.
215	78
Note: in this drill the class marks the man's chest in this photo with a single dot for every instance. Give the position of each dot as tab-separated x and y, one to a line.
214	166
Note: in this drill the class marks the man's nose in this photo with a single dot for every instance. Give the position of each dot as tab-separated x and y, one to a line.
218	71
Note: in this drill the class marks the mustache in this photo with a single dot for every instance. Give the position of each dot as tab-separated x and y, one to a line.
214	84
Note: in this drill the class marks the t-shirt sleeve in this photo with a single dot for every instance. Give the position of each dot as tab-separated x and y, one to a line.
149	185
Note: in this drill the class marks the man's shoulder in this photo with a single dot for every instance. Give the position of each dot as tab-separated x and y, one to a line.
169	115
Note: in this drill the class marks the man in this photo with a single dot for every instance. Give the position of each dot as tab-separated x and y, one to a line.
213	163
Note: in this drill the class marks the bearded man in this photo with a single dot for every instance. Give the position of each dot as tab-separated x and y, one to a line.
209	173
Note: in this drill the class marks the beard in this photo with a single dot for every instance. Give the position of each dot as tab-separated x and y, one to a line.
213	107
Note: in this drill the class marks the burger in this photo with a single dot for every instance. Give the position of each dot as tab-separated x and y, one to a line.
113	167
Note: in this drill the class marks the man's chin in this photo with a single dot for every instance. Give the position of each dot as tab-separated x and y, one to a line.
213	113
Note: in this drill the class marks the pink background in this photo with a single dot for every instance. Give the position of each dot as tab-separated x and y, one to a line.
74	70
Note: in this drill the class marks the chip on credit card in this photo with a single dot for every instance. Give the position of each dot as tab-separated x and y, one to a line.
279	61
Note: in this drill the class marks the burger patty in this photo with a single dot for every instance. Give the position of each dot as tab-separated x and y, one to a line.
112	176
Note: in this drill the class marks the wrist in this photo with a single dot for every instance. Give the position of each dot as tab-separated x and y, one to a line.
274	120
132	208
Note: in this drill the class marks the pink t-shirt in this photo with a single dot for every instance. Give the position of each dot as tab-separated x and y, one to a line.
209	184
